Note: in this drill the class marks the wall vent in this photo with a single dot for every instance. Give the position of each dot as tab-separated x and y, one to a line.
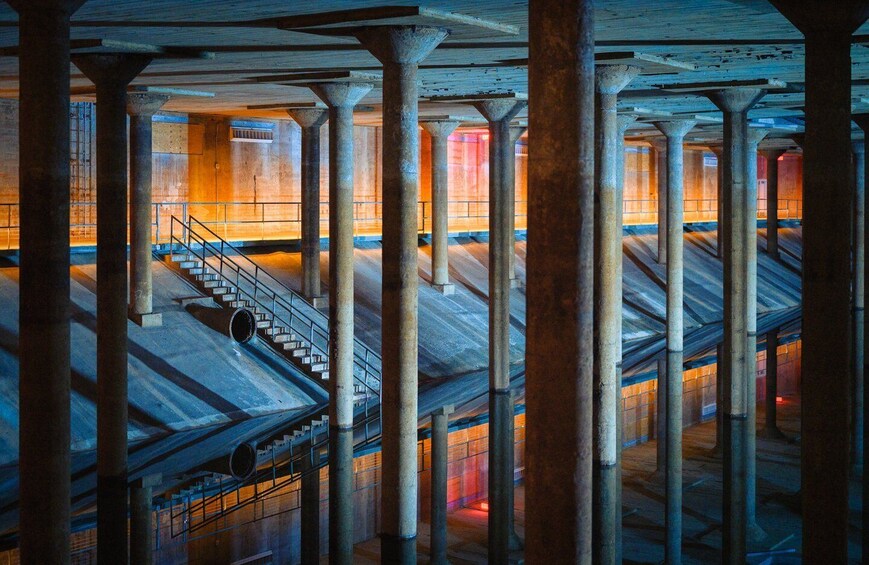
251	135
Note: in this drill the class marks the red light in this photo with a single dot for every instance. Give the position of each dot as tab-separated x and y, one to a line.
484	506
779	399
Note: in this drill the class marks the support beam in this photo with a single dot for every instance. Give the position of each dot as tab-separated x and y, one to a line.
44	304
111	73
311	120
440	131
660	147
515	133
754	532
439	461
735	103
499	112
857	305
341	97
310	512
772	170
609	81
560	280
675	132
141	107
826	272
400	49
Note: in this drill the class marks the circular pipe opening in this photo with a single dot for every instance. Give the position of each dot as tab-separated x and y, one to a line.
242	461
242	325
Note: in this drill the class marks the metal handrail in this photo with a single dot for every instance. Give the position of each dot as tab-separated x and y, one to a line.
287	308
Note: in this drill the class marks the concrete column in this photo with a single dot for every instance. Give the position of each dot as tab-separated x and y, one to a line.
44	305
661	418
624	122
771	430
141	107
310	513
515	133
400	49
719	400
675	131
609	81
857	315
753	530
311	120
341	97
735	103
499	113
142	520
863	122
719	157
111	74
660	147
826	272
560	279
440	131
439	460
772	162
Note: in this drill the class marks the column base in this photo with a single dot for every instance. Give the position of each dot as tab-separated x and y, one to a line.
149	320
446	289
754	533
318	301
396	549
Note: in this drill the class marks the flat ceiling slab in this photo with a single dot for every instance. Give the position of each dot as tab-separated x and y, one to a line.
648	64
328	76
763	84
169	91
288	106
349	22
110	46
482	97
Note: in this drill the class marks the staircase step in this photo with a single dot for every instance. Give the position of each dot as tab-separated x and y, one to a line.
211	284
188	264
223	290
263	324
277	330
177	257
319	367
228	296
300	352
292	345
282	338
206	277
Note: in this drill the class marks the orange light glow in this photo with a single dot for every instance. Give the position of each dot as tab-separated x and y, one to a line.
484	506
779	399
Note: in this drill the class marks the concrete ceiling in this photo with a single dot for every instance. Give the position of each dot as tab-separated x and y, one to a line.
726	40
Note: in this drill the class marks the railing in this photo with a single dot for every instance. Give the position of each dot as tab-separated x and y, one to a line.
284	308
265	221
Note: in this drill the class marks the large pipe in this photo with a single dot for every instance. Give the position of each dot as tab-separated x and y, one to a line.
237	323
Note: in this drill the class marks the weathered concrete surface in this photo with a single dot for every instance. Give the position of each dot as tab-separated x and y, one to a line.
440	131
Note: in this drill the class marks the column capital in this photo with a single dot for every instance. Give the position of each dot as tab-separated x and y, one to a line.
737	99
821	16
625	121
341	94
145	104
444	410
755	136
612	79
862	121
111	69
309	117
402	44
439	128
675	129
500	109
516	132
773	154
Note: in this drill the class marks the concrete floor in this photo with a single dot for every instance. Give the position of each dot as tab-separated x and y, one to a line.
778	476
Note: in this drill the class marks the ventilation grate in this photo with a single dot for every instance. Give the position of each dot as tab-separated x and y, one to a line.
251	135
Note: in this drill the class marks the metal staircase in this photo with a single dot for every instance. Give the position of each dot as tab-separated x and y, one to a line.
297	331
